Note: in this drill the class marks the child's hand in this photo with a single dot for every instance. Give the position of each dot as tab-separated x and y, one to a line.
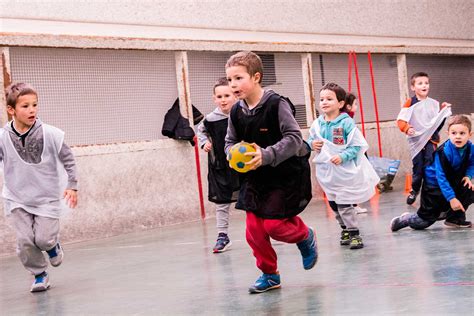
411	131
468	183
317	145
207	146
456	205
445	104
337	160
71	197
257	157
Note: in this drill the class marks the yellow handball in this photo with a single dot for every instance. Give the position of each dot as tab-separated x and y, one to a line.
237	159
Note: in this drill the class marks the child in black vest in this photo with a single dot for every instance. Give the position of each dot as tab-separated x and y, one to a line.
223	181
447	189
278	186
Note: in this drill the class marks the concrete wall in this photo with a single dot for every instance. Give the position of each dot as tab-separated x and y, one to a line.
442	19
403	26
128	187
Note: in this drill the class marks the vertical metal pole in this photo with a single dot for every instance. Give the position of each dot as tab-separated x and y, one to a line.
307	69
6	79
186	108
402	78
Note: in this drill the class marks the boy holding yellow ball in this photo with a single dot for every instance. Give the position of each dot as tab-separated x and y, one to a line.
278	186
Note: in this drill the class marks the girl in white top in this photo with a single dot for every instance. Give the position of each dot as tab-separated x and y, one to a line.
342	169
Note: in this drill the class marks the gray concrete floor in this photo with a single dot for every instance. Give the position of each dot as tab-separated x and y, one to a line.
171	270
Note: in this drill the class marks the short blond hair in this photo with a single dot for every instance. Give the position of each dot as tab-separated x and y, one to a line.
249	60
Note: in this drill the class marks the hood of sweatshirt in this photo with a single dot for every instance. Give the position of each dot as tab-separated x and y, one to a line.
36	125
343	116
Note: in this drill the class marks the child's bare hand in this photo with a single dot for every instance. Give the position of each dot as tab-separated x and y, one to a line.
207	146
456	205
317	145
257	157
445	104
337	160
468	183
411	131
71	197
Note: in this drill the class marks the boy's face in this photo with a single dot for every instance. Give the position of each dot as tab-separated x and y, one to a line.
24	111
242	84
459	135
328	102
224	98
421	87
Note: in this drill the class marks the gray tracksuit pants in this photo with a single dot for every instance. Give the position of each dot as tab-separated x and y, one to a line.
222	217
346	215
34	234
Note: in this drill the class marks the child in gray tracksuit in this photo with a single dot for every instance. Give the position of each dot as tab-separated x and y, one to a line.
223	181
35	157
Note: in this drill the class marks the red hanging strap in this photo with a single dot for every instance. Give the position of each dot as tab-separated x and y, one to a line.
375	103
349	66
359	95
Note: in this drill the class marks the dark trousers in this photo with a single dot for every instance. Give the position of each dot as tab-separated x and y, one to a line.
423	159
434	207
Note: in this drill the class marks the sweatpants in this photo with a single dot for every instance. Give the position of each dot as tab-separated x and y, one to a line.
422	160
346	215
260	230
222	217
34	234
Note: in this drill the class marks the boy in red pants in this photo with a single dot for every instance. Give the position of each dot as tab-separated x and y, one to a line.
278	187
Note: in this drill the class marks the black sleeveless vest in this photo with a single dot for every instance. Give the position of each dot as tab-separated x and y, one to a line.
223	181
282	191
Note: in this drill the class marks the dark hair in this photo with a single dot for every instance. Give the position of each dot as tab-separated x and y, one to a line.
339	91
249	60
349	100
222	81
16	90
460	119
417	75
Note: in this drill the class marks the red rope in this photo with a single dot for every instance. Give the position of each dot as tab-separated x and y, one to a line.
354	57
375	103
198	169
349	66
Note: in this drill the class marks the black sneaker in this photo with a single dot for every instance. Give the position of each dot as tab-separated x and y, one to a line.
412	197
345	238
356	242
223	243
458	224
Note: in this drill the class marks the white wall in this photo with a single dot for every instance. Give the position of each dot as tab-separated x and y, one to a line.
443	19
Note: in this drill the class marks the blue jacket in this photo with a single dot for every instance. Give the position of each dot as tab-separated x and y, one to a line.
336	131
435	175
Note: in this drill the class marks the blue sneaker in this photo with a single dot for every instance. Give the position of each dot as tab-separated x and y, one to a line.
309	250
223	243
41	283
56	255
265	282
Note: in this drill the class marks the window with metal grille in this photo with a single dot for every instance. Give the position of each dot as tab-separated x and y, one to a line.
99	96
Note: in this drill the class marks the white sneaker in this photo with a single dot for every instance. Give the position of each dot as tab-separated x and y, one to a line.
360	210
56	255
41	283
